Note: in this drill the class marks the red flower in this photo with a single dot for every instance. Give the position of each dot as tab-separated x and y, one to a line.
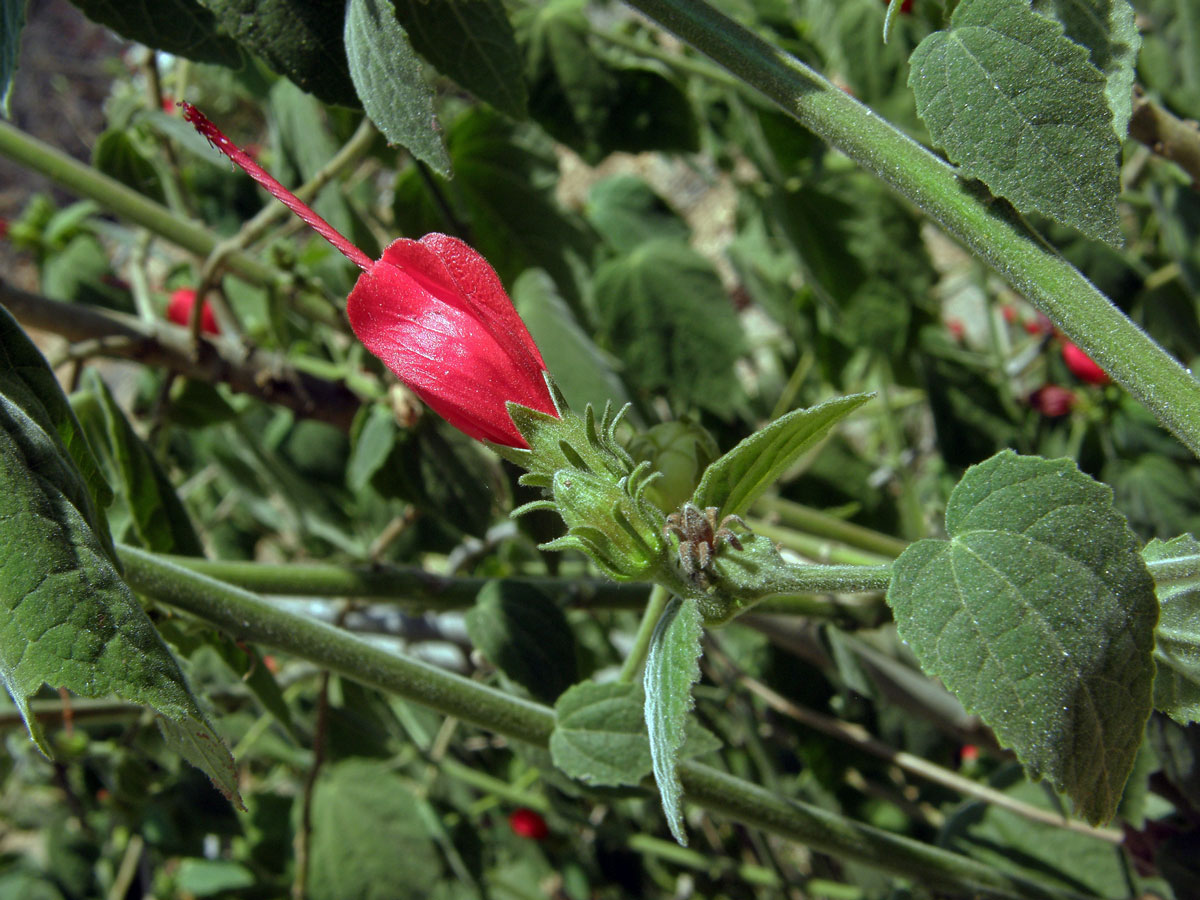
1053	401
527	823
905	6
179	311
436	314
1083	366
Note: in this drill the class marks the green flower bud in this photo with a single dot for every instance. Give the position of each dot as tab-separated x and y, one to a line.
681	451
610	521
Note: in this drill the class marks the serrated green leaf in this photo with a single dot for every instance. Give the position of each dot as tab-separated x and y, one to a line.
581	369
1108	30
160	521
1048	853
299	39
627	213
389	81
27	381
1038	614
471	41
600	735
12	22
738	478
67	619
369	836
663	311
672	667
1177	648
1017	105
526	636
182	27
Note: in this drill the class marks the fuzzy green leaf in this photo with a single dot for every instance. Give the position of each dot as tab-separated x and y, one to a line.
672	667
388	78
471	41
27	381
600	735
738	478
300	39
627	212
67	619
526	636
1108	30
1177	649
12	21
663	312
182	27
1017	105
1038	613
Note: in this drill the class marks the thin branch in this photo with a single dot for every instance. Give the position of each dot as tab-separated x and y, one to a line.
259	373
1167	135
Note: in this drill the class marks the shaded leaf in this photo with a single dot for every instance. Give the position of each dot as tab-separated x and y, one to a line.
600	735
115	154
160	521
627	213
1177	645
182	27
369	837
663	311
1039	615
738	478
389	81
300	39
1108	30
471	41
526	636
672	667
582	371
67	619
1017	105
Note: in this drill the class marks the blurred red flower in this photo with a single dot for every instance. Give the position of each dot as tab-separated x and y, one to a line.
179	311
1083	366
528	823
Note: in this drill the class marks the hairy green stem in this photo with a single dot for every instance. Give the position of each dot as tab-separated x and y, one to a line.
822	524
818	548
641	641
248	617
994	234
836	579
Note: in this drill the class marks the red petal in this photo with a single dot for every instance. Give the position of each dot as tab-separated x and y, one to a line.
414	319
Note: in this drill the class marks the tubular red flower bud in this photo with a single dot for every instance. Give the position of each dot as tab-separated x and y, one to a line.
179	311
1083	366
436	314
528	823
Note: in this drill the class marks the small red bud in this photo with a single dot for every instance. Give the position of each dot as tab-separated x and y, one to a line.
969	754
179	311
528	823
1083	366
1009	313
905	6
1040	325
956	328
1052	401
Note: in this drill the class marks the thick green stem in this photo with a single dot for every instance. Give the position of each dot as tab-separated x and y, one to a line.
999	238
124	201
817	548
248	617
834	579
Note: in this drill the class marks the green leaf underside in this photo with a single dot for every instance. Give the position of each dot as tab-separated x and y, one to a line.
12	21
67	619
1039	615
600	735
1177	649
183	27
1109	31
299	39
1017	105
388	78
368	832
738	478
672	667
526	636
471	41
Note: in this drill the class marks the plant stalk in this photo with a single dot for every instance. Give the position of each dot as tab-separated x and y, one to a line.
990	230
248	617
